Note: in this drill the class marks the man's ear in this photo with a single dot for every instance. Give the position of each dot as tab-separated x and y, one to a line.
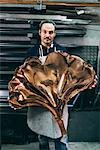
39	32
54	34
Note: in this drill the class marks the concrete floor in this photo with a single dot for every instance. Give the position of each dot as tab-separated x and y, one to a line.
72	146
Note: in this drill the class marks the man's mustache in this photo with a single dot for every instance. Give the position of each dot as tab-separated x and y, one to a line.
47	38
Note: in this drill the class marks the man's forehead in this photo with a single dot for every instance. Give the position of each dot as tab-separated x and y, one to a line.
48	26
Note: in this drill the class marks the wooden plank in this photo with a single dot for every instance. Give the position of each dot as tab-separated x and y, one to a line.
47	2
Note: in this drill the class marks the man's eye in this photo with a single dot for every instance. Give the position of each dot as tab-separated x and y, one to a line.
50	32
44	32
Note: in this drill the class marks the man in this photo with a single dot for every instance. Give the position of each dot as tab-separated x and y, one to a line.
40	120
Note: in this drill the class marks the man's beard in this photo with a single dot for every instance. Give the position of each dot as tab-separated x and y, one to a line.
48	41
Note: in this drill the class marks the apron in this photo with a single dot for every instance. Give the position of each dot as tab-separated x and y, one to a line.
41	121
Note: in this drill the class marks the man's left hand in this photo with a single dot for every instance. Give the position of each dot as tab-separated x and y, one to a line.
94	83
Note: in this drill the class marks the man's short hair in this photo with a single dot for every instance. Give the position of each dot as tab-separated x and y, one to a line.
46	21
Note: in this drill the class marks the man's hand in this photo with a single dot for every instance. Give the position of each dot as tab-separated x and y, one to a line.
94	83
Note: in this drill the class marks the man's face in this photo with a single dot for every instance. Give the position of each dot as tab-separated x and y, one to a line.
47	34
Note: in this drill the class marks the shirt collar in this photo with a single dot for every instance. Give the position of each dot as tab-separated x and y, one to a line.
52	45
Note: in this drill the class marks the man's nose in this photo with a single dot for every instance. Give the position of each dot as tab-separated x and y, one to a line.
47	34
